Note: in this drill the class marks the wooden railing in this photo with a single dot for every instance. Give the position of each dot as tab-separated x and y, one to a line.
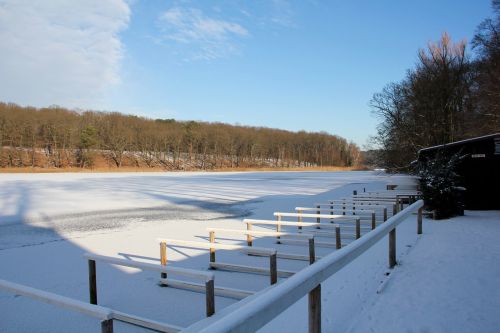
104	314
257	310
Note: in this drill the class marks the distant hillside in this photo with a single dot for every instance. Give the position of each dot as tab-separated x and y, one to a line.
56	137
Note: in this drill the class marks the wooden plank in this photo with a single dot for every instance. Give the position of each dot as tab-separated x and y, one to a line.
305	243
326	216
289	223
248	269
261	233
92	310
218	246
285	255
358	212
151	267
198	287
145	323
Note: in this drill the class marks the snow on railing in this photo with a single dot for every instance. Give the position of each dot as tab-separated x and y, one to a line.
257	310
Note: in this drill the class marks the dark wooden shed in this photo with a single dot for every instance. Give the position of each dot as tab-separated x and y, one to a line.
479	169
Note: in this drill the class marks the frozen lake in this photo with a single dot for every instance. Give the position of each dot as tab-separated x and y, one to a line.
48	221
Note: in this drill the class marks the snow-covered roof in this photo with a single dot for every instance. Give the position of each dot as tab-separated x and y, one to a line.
479	138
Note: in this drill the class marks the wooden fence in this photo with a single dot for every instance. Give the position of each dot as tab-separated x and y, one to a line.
257	310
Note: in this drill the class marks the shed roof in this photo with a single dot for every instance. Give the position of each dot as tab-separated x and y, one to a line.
457	143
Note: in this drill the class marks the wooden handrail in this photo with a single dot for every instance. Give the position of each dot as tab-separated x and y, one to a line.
256	311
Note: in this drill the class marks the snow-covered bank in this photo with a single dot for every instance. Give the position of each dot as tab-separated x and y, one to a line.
450	281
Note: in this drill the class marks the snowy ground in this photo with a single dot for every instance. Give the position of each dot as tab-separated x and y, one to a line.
47	221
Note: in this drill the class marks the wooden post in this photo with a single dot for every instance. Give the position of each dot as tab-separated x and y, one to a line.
318	220
312	255
354	192
107	326
338	239
419	221
92	282
212	250
163	257
394	209
273	268
385	214
278	228
392	248
299	218
210	297
374	222
358	228
315	310
249	237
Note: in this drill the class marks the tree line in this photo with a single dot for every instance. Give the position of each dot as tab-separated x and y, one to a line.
448	96
58	137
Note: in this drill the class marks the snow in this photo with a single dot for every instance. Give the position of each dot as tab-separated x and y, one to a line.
48	221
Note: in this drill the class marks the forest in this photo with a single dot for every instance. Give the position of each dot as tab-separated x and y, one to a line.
452	93
56	137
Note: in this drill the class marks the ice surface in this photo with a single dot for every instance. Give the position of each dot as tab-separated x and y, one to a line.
47	222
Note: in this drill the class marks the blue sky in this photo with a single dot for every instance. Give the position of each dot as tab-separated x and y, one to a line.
311	65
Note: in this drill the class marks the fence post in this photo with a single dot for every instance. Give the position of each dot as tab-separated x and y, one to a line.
312	254
107	326
358	228
249	237
92	282
385	214
210	297
338	240
315	310
374	222
419	221
392	248
163	257
318	220
299	218
273	268
278	228
212	250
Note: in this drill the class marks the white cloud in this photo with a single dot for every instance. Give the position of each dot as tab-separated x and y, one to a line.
210	38
64	52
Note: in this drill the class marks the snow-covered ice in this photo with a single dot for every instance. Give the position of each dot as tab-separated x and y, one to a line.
47	222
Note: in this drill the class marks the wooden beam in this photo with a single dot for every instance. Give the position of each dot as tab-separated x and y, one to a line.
107	326
163	258
419	221
273	268
92	282
200	288
210	297
392	248
249	269
338	240
314	302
